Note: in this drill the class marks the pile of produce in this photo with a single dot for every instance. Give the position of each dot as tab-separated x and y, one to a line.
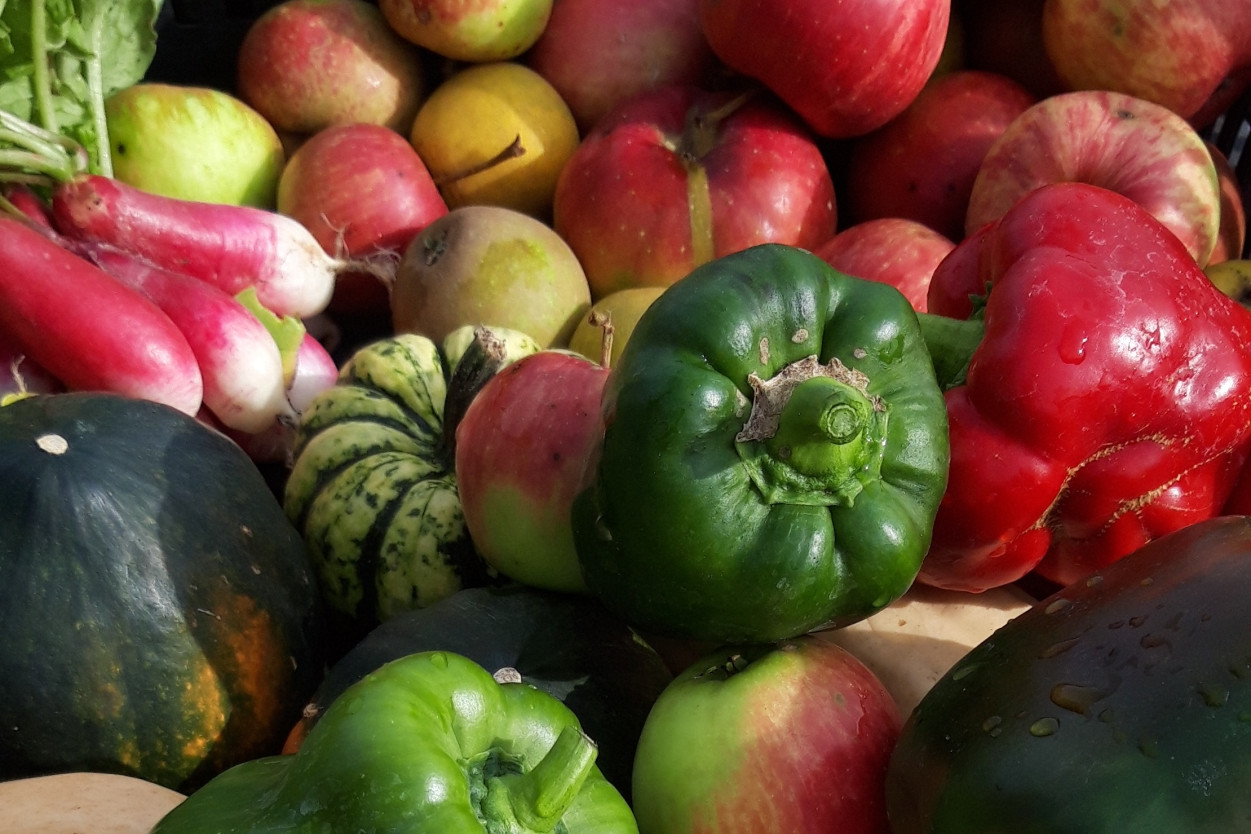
625	416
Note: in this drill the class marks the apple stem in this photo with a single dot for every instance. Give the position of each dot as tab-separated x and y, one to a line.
513	150
604	322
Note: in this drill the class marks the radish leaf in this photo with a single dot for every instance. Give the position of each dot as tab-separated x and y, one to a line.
60	59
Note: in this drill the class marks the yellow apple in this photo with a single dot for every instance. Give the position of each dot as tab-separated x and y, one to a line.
496	134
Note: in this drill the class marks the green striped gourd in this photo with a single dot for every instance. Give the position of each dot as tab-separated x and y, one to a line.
372	487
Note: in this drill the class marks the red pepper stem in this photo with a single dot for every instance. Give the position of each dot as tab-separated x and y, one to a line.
951	343
542	795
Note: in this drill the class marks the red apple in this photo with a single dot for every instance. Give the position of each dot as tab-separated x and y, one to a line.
677	176
598	53
921	164
308	64
521	450
1006	37
1191	56
1125	144
361	189
893	250
786	739
846	68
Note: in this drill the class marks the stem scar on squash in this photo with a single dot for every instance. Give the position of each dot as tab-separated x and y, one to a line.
53	444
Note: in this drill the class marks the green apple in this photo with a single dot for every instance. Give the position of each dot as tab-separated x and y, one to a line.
193	143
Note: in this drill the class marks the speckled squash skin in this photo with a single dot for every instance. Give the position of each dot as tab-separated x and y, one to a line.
373	488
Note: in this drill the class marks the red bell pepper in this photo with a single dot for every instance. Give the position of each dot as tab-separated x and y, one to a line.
1107	403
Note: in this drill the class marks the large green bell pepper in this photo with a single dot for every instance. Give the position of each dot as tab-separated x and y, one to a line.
774	452
430	743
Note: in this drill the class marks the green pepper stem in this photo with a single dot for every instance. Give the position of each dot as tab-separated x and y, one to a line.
951	343
823	427
542	795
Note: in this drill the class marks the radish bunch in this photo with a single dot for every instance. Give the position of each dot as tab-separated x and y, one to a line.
198	306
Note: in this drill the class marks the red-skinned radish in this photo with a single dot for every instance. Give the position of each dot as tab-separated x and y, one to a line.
88	329
241	365
315	371
232	247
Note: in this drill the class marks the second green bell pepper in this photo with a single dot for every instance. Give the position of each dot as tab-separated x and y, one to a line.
430	743
774	452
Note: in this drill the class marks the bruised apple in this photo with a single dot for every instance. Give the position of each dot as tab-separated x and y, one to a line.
521	449
489	265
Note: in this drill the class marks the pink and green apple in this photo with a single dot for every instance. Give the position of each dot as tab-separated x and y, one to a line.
522	448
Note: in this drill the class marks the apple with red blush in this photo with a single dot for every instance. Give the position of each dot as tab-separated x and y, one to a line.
1190	56
364	193
921	165
522	448
891	250
792	738
1130	145
598	53
679	175
846	68
308	64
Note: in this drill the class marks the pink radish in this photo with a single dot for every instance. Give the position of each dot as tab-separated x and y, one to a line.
232	247
315	371
244	384
86	328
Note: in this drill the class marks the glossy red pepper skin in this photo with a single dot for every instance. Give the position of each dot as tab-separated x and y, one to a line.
1108	403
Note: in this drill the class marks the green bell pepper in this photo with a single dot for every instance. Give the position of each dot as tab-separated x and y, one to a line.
774	452
430	742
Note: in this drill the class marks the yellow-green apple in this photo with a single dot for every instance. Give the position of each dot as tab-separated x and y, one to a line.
598	53
846	68
363	192
1006	36
792	738
678	175
1125	144
489	265
922	163
522	448
479	31
1232	237
1191	56
891	250
193	143
308	64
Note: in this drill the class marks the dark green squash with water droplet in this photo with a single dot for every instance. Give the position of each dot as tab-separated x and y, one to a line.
1120	703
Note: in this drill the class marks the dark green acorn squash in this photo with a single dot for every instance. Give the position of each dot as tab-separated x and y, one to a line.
159	612
566	645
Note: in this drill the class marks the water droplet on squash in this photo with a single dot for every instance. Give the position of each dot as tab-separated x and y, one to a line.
1057	605
993	725
1058	648
1213	695
1075	697
1044	727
